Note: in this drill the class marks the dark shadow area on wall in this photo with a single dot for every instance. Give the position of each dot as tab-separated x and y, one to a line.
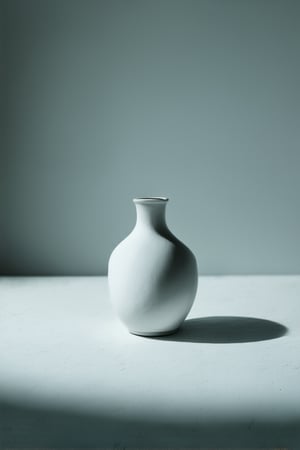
26	426
227	330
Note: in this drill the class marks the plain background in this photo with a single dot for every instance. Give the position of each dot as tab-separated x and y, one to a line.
103	101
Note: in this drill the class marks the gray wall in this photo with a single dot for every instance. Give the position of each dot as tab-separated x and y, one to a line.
2	139
197	100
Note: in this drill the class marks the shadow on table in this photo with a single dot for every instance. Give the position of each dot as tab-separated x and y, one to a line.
23	425
227	330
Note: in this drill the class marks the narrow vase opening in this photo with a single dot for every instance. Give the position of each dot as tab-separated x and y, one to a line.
151	212
150	199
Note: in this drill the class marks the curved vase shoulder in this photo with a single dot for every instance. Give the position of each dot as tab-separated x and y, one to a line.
152	275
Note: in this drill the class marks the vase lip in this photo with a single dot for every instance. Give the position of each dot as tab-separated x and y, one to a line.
150	199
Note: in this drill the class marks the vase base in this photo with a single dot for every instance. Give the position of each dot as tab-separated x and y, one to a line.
153	333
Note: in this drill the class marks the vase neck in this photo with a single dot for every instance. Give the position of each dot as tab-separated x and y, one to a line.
151	213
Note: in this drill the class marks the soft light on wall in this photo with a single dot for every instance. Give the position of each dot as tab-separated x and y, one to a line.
107	100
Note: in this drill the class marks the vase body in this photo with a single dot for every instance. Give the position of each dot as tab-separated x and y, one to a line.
152	275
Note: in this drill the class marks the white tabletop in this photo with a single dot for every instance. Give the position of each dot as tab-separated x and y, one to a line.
71	375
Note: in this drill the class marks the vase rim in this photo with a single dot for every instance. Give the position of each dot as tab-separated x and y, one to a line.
150	199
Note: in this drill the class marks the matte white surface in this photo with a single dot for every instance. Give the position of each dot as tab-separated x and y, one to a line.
152	275
72	376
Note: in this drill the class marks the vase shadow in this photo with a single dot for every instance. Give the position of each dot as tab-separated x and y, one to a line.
226	330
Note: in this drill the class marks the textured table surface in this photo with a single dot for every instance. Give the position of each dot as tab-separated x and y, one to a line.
72	377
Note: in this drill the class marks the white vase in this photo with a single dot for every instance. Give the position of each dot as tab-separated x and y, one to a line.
152	276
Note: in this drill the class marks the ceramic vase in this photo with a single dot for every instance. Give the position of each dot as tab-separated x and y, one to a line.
152	275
